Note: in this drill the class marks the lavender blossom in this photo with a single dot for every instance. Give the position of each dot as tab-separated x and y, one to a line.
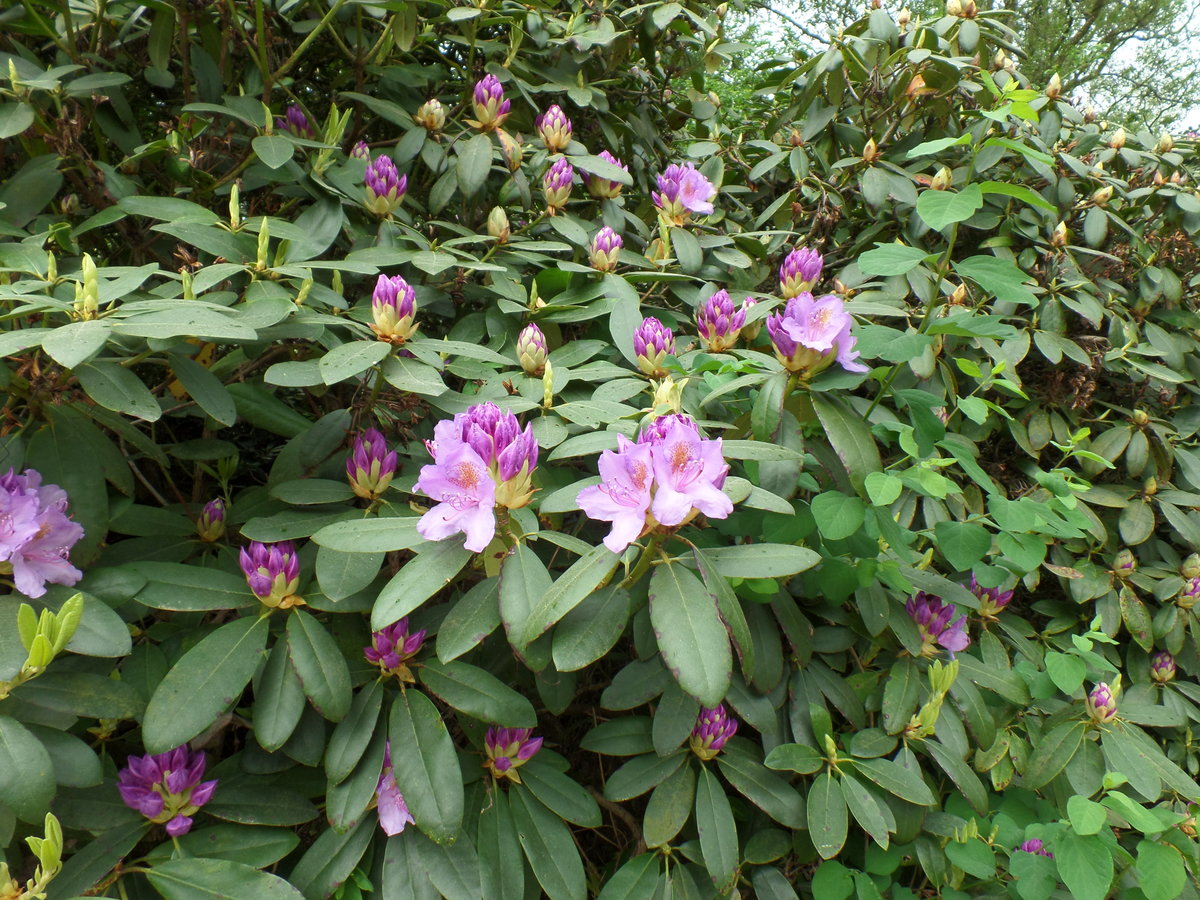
556	185
688	475
491	109
606	245
393	811
166	787
508	749
653	342
392	647
394	309
992	601
933	623
385	186
1035	846
1162	667
371	465
719	323
623	495
554	128
811	334
531	350
713	728
1101	704
295	121
682	190
36	535
800	272
604	188
210	527
273	573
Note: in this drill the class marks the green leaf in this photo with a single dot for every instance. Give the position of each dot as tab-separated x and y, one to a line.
1065	670
636	880
453	868
478	693
767	791
1085	865
997	276
560	794
590	630
940	209
1036	876
1052	753
69	345
115	387
891	259
278	700
795	758
95	859
896	779
183	588
205	682
264	410
14	118
370	535
473	617
1019	191
669	807
827	816
568	591
320	664
641	774
548	846
273	149
217	879
341	575
974	857
717	830
761	560
838	515
501	869
690	634
1133	812
427	772
434	567
245	844
960	773
850	437
866	809
205	388
352	735
347	360
474	163
26	772
1161	872
963	544
83	694
250	802
928	148
594	165
1087	816
883	489
329	860
346	803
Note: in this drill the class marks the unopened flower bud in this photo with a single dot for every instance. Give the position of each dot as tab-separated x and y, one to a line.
1162	667
393	309
1165	143
713	729
606	246
1102	195
1150	487
1191	566
371	465
942	180
1117	141
870	151
954	8
431	115
273	573
1190	592
1054	87
1158	180
531	350
904	17
491	108
1058	237
1089	114
555	129
510	149
1124	563
361	151
969	10
600	187
653	342
262	256
51	267
210	527
507	749
385	186
1140	418
556	185
800	272
719	322
958	296
392	647
497	225
1101	705
999	60
796	139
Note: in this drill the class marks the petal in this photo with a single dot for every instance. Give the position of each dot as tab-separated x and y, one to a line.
670	506
479	525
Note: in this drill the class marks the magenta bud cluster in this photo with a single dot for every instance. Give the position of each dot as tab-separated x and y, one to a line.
714	727
719	322
936	624
273	572
371	465
800	272
555	129
653	342
166	788
508	749
606	246
386	187
491	107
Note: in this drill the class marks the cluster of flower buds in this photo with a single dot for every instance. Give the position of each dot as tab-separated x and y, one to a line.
1101	704
1162	667
668	477
166	787
371	465
491	108
210	527
810	334
531	350
361	151
393	310
1189	594
393	811
992	601
653	342
508	749
606	245
273	573
719	323
800	272
1036	847
295	121
683	191
604	188
385	186
713	728
933	618
392	647
556	185
481	459
555	129
36	534
431	115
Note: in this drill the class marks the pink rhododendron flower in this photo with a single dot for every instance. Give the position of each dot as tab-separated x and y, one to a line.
393	811
623	494
811	334
36	535
688	472
682	190
459	480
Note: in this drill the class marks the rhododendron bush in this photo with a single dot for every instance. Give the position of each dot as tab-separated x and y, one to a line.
448	453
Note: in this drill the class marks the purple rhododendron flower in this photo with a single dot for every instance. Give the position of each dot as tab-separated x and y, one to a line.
273	572
1101	704
386	187
295	121
933	618
623	494
371	465
211	525
810	334
554	128
992	601
459	480
36	535
799	272
393	309
166	787
1162	667
393	811
683	190
491	109
652	343
392	647
688	474
556	184
714	727
508	749
719	322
